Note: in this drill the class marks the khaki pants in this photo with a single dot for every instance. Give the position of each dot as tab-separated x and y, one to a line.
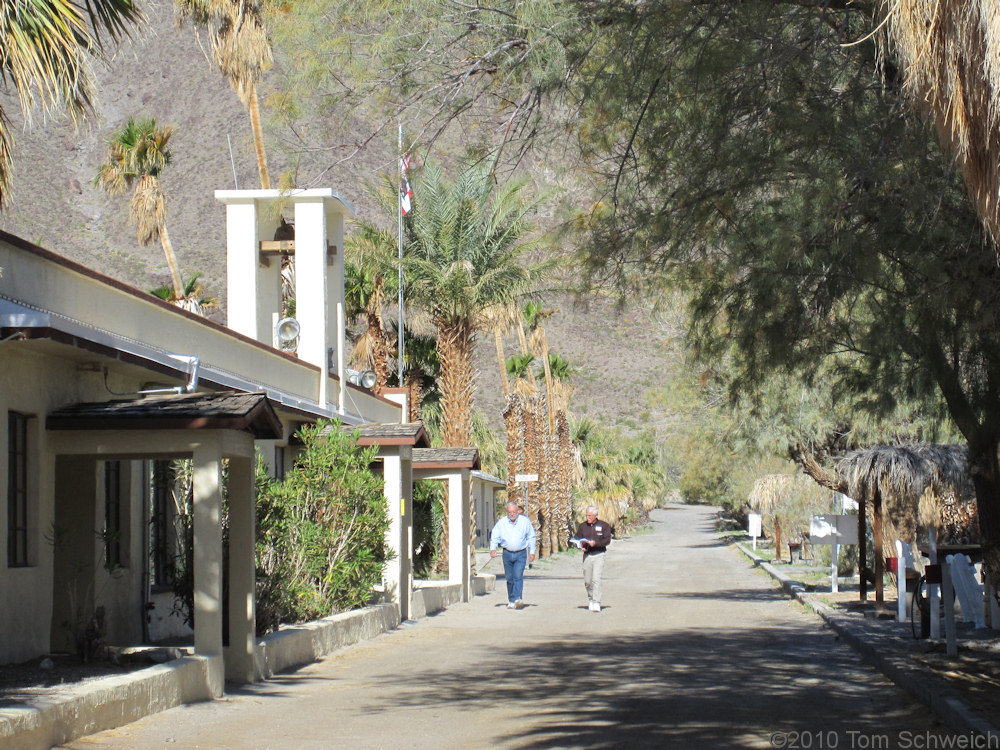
593	571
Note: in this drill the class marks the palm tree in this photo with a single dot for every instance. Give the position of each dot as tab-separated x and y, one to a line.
539	345
559	368
368	287
194	300
519	365
137	154
241	48
500	319
463	259
45	57
422	370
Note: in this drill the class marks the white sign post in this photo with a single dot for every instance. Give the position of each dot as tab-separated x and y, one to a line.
754	527
834	530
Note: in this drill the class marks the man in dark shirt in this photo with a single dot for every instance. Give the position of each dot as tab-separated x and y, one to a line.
594	536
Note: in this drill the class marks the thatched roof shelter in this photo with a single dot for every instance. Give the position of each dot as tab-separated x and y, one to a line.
793	497
769	491
917	483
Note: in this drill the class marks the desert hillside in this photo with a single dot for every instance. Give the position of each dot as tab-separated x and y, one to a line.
165	73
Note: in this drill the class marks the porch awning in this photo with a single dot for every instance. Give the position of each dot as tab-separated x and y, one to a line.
228	410
407	433
445	458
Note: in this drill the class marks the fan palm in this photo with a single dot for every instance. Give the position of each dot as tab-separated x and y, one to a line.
44	49
195	300
539	344
241	48
137	154
518	365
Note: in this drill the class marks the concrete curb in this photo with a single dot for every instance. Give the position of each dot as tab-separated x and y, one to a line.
77	710
947	704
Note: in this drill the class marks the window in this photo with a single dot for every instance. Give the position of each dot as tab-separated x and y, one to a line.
17	490
113	528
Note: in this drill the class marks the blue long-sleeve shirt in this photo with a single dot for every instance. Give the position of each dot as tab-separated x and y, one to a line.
513	535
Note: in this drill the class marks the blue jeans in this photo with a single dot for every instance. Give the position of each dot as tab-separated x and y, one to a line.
513	570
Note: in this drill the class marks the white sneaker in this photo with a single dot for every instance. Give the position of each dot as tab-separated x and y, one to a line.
518	604
595	606
511	605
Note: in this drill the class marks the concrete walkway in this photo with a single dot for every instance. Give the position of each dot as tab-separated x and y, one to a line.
693	649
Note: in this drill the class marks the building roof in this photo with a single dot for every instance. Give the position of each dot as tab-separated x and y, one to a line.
488	478
445	458
407	433
228	410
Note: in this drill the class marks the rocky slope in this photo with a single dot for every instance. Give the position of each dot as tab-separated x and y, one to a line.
165	73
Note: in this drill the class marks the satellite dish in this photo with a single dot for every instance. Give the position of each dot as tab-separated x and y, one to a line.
286	331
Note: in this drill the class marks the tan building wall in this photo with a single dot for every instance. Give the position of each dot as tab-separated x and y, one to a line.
91	339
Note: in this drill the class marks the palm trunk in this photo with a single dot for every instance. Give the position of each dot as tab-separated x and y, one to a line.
531	459
542	491
454	346
513	425
175	273
548	377
552	492
566	458
258	139
414	378
524	350
380	358
503	362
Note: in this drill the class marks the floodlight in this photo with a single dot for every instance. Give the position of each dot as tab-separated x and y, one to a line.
366	379
286	331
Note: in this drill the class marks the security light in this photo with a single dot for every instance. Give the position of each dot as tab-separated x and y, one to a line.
286	331
365	379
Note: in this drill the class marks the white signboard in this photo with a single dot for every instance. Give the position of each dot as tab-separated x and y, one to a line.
525	477
833	529
754	525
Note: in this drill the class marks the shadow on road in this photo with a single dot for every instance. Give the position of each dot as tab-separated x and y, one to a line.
659	689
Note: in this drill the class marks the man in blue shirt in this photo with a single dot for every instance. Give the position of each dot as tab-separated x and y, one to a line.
515	535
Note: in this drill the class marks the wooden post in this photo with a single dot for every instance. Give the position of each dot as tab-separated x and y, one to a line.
862	551
777	539
877	545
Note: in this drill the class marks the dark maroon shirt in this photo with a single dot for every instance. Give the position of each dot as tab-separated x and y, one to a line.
599	531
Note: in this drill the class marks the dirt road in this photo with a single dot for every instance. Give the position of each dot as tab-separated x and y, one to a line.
693	649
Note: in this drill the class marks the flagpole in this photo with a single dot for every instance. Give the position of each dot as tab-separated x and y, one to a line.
399	216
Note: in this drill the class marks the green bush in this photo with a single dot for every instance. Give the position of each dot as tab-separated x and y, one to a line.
320	531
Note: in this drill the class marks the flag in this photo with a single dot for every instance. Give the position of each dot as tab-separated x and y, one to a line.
405	192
